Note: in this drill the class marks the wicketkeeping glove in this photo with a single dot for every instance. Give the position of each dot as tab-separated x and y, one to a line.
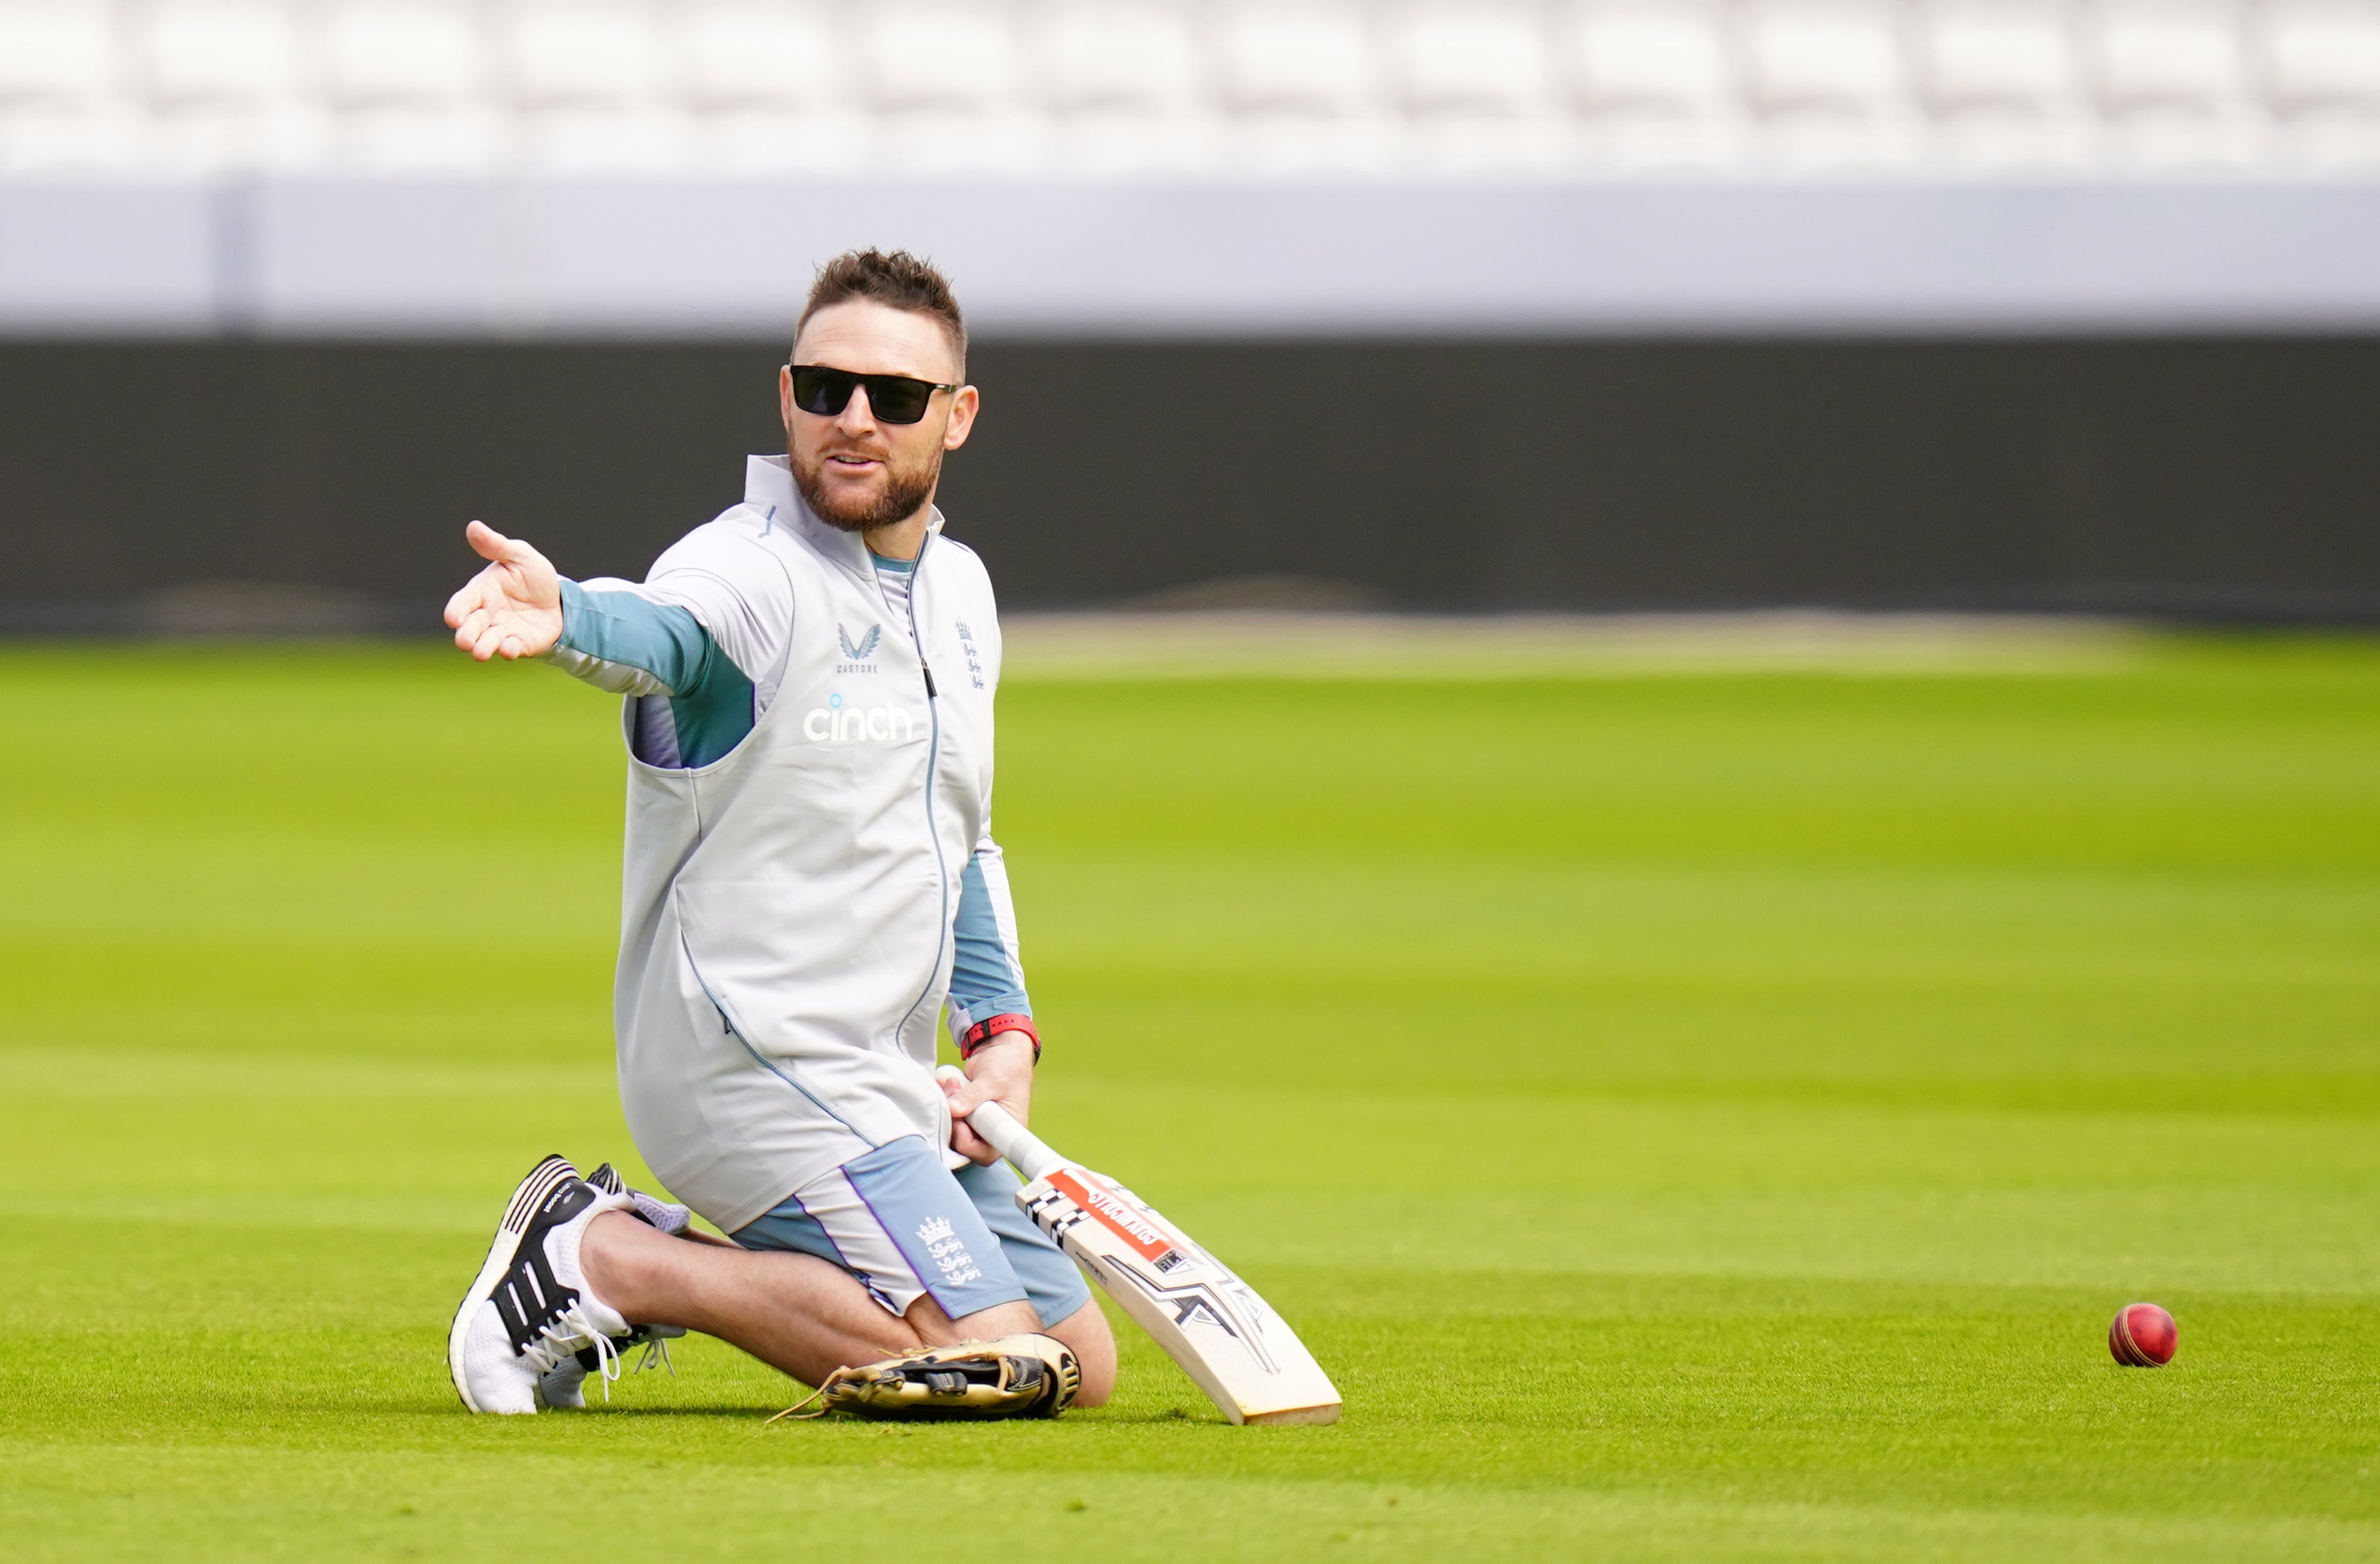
1013	1376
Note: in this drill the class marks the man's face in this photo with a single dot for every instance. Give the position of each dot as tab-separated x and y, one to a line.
855	472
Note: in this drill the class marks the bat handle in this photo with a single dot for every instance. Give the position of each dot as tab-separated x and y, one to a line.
1029	1153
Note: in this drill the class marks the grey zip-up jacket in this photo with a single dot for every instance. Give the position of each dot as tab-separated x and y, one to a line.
787	910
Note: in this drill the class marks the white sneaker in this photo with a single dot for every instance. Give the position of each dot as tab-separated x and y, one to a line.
530	1306
562	1388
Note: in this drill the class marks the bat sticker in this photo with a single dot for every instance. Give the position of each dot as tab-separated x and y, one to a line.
1194	1307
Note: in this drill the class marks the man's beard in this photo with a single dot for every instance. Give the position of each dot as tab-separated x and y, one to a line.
902	495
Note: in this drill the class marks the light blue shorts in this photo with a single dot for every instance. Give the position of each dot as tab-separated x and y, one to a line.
908	1227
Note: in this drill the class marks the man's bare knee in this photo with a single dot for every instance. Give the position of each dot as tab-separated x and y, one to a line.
938	1329
1087	1334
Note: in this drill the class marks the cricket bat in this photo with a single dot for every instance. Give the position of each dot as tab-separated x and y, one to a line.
1244	1355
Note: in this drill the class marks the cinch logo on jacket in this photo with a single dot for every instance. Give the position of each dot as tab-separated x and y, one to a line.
836	721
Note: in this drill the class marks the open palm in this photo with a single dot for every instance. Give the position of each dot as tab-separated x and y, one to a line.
511	609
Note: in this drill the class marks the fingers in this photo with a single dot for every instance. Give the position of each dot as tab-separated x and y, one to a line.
473	597
518	590
486	615
489	543
963	1095
492	544
972	1147
469	613
471	610
499	632
484	635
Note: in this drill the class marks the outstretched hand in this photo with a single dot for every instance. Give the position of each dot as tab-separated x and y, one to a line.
512	609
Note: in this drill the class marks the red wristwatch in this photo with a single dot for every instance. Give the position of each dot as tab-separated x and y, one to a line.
991	1026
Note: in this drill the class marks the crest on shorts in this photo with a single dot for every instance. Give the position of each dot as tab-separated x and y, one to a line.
866	646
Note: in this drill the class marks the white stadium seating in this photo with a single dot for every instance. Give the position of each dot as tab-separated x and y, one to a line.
1830	80
1127	84
570	164
417	53
58	51
1116	55
2013	58
411	84
68	93
1471	57
2321	69
1225	88
1839	58
1655	83
1648	56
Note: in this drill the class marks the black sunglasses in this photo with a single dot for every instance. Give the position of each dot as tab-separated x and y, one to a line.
895	399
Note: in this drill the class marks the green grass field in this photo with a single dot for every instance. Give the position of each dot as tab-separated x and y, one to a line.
1696	1117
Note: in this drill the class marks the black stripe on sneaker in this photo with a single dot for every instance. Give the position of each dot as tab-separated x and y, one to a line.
529	1297
535	1189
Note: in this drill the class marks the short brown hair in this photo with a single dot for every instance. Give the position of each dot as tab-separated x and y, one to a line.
900	280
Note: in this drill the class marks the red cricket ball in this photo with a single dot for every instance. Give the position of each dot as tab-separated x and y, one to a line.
2143	1336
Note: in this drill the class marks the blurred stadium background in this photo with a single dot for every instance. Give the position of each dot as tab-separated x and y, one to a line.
2062	304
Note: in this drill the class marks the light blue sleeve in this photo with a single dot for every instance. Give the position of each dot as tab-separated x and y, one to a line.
987	977
697	705
663	640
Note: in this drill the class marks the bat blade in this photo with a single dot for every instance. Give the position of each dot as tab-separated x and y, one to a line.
1226	1337
1244	1356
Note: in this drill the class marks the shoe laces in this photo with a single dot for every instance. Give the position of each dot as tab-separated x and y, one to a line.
562	1336
656	1352
809	1406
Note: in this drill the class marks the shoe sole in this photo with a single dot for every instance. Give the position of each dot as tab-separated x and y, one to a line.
532	1193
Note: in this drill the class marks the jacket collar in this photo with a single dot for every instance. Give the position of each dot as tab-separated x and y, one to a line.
768	487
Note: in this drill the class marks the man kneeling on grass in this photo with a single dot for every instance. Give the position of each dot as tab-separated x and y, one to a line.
811	877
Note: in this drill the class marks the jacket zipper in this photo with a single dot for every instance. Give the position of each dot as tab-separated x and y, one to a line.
933	762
